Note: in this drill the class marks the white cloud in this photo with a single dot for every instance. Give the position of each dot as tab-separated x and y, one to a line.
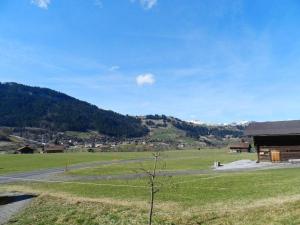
43	4
146	4
143	79
114	68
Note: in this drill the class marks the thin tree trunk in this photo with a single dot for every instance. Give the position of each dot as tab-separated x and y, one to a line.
152	190
151	204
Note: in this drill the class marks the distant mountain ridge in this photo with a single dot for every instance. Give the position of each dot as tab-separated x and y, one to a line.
26	106
239	123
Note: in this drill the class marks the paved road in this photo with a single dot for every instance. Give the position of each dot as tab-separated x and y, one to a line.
57	174
129	176
47	174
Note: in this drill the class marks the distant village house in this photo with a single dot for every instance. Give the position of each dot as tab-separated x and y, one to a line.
25	150
240	147
53	149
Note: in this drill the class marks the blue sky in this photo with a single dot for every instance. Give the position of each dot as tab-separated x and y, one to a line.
212	60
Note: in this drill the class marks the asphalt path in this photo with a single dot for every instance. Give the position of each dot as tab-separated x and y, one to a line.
47	174
58	174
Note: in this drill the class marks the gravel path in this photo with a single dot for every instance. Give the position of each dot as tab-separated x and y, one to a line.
242	165
12	203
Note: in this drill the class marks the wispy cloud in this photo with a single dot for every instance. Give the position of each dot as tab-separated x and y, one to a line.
114	68
43	4
98	3
146	4
143	79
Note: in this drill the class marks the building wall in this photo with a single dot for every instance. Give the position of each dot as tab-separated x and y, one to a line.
285	147
288	140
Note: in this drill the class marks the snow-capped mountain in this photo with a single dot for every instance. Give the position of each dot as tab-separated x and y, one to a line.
239	123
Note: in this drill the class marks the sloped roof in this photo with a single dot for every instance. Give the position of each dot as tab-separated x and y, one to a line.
25	147
54	147
291	127
243	145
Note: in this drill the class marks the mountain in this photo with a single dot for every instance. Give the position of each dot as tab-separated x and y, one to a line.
194	129
174	131
239	123
26	106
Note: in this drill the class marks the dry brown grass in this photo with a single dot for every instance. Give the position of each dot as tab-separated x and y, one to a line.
276	210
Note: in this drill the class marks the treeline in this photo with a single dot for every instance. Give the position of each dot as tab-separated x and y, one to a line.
25	106
158	117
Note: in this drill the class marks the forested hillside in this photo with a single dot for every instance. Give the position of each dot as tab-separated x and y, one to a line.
25	106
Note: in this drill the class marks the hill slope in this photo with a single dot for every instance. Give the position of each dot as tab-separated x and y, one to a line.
25	106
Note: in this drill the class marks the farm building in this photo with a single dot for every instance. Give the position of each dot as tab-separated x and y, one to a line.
54	149
276	141
25	150
240	147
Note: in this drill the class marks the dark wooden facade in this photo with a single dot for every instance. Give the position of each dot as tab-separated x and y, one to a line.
54	149
241	147
25	150
276	141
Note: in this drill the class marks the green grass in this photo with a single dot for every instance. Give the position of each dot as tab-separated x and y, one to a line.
172	160
167	134
190	190
53	210
246	198
20	163
170	134
258	197
58	211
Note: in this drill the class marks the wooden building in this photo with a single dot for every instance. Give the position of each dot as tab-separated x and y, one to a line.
276	141
54	149
25	150
240	147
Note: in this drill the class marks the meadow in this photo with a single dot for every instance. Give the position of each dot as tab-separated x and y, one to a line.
10	163
253	197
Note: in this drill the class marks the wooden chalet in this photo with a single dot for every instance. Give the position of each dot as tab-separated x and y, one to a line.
54	149
276	141
25	150
240	147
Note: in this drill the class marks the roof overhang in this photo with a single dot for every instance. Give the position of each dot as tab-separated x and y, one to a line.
278	128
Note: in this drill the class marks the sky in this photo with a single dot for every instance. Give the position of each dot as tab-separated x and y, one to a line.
210	60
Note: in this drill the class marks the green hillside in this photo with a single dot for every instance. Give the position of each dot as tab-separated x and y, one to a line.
25	106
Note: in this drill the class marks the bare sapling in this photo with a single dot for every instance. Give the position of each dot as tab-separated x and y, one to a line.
153	188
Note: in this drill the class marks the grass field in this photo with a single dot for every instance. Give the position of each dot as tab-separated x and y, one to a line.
256	197
20	163
170	160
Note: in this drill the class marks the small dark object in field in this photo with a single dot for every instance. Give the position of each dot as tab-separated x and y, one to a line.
91	150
